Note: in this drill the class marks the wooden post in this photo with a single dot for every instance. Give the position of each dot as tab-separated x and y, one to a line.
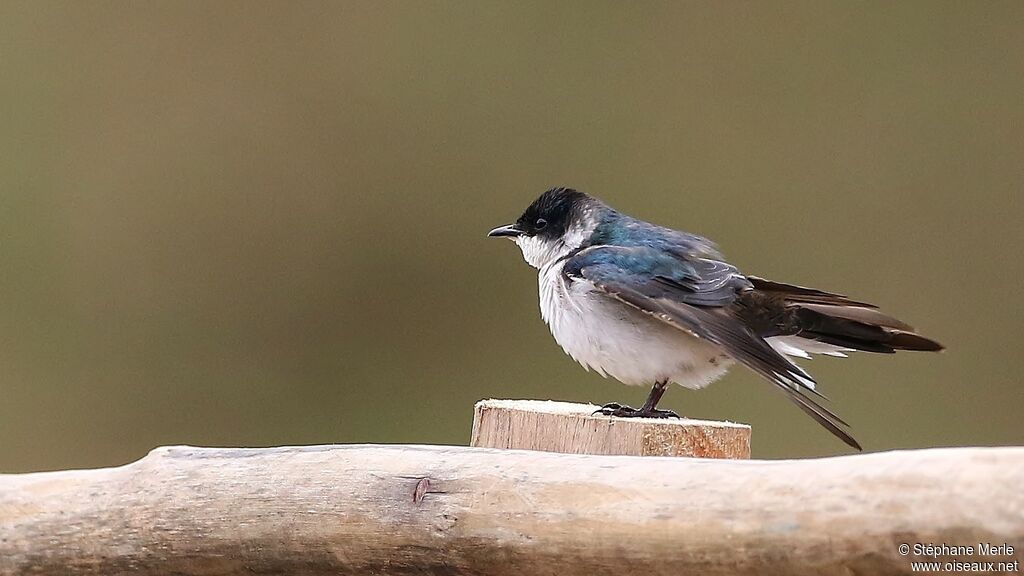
573	429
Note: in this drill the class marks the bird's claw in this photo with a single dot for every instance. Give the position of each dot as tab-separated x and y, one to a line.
622	411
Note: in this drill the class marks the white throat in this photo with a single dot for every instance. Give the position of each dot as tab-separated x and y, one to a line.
540	252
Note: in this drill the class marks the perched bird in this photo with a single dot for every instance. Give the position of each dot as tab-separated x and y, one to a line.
649	305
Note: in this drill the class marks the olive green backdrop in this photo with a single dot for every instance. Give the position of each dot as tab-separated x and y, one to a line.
262	223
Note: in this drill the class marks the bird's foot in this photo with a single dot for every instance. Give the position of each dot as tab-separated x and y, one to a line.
621	411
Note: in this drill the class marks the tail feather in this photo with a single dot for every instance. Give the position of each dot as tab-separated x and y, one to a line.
914	341
840	321
797	321
860	314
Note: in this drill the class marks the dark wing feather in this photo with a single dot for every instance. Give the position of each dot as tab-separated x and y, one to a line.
796	293
694	280
691	295
838	320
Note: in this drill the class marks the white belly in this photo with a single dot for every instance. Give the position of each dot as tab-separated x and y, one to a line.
619	341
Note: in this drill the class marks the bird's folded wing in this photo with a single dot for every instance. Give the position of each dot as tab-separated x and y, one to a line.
693	294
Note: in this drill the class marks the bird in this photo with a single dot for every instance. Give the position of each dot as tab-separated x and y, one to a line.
652	306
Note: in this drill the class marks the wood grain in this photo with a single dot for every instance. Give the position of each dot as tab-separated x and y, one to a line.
455	510
574	429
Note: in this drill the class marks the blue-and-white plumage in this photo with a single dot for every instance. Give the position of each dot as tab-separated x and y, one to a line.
647	304
607	336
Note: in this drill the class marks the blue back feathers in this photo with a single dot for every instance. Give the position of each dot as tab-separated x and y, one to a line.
617	229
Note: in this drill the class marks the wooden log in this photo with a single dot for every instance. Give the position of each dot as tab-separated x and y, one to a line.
574	429
471	511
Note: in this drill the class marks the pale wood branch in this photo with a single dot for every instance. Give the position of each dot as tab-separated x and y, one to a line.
573	429
451	510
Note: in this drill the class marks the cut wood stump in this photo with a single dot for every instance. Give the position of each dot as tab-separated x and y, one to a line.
574	429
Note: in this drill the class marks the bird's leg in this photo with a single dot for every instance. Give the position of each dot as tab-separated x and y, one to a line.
648	410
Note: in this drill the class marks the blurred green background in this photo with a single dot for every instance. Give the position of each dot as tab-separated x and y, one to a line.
262	223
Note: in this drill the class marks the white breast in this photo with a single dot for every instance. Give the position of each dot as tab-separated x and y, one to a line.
619	341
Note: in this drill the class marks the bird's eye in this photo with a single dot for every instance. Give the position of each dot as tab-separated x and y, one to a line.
540	223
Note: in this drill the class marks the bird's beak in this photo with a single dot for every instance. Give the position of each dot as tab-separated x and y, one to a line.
509	231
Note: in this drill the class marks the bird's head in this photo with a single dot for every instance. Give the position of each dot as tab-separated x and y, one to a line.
558	222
